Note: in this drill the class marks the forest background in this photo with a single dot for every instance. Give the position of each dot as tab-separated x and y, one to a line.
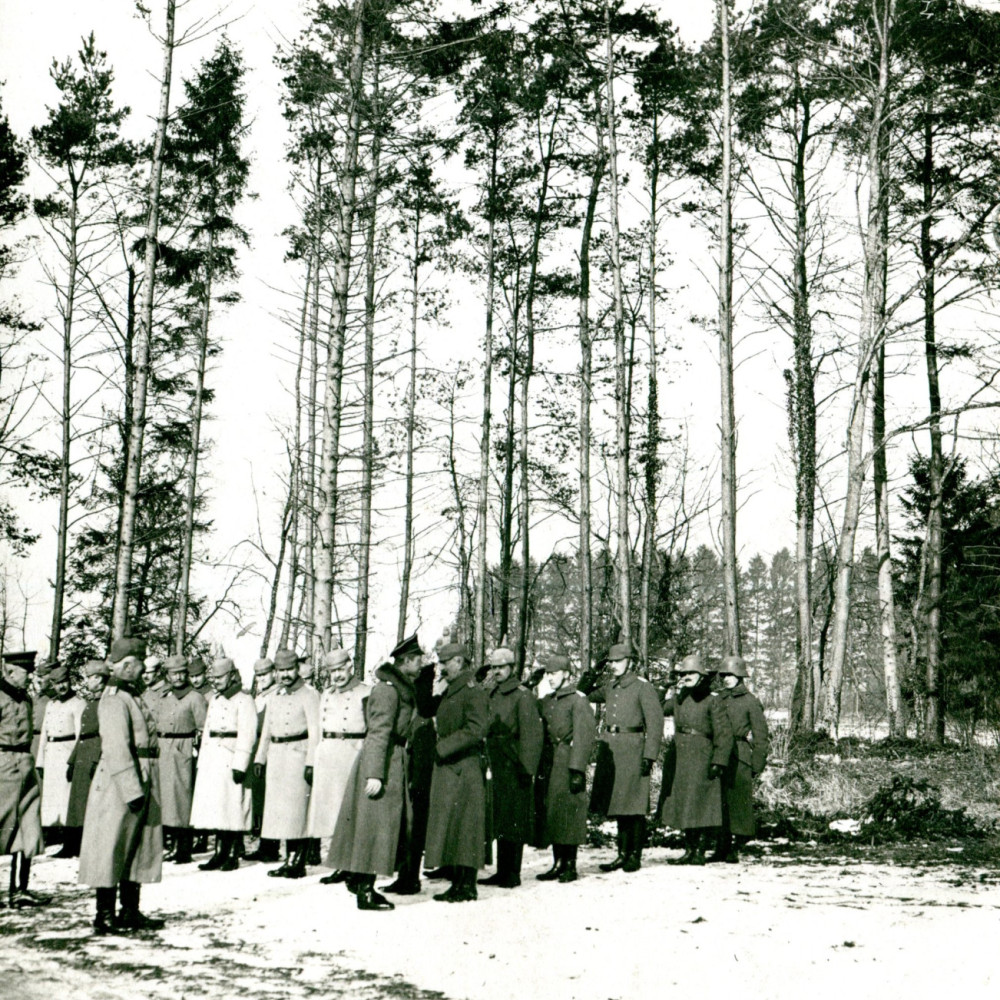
344	188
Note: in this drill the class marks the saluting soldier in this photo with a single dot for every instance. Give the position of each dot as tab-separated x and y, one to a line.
60	729
20	796
342	732
222	799
703	737
86	753
180	717
288	749
456	821
570	731
514	746
631	732
752	742
122	834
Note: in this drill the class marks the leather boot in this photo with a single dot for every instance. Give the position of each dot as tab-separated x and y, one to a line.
619	860
312	852
129	916
463	888
231	861
725	849
508	873
104	920
71	843
695	851
295	864
182	852
558	864
436	874
368	898
215	862
334	878
20	895
637	839
568	874
405	885
267	851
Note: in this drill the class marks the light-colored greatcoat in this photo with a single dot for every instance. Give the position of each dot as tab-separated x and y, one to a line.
341	714
60	729
20	815
367	836
117	843
290	712
180	716
227	745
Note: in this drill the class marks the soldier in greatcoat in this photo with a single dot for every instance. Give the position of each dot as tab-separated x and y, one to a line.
263	687
456	821
287	748
514	749
703	737
631	732
180	718
122	833
373	822
60	729
342	708
222	800
86	753
198	677
752	741
20	795
570	731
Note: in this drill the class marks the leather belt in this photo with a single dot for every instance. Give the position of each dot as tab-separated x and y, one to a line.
60	739
15	747
178	736
624	729
290	739
687	731
566	741
147	753
399	741
223	734
330	735
89	736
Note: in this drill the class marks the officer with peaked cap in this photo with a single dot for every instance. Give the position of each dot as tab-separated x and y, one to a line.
60	729
342	732
287	747
222	799
570	730
20	813
752	741
514	747
373	818
704	739
122	834
631	732
180	718
86	753
198	677
263	688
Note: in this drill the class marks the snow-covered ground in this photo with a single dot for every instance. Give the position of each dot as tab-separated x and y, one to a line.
768	928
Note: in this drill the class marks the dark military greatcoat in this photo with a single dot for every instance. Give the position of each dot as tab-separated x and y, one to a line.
20	795
456	821
703	736
570	731
748	757
83	761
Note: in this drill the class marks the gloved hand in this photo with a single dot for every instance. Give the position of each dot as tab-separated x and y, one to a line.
646	768
258	770
40	771
69	772
238	776
577	782
715	771
373	788
135	805
309	775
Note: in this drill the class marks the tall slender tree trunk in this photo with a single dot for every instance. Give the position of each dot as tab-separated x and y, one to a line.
507	493
730	571
870	334
343	236
133	470
622	415
180	618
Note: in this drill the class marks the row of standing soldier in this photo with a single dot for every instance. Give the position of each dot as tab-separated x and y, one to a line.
394	771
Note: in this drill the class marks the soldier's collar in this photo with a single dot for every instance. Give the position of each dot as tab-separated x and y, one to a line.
18	694
626	680
511	684
352	683
129	686
403	685
234	687
565	690
179	693
466	678
293	687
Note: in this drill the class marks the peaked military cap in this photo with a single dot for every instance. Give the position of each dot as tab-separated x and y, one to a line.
175	662
58	674
619	651
26	661
222	668
285	658
502	656
127	646
96	668
263	665
452	649
196	666
408	647
334	658
554	662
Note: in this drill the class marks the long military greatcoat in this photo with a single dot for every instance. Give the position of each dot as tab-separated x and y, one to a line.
514	745
703	736
60	729
632	730
342	733
20	796
287	746
227	744
258	785
370	833
570	730
180	716
747	759
83	759
117	843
